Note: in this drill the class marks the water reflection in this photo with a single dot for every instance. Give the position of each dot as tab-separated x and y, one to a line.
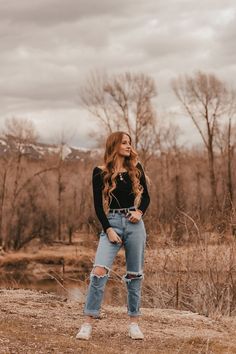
115	292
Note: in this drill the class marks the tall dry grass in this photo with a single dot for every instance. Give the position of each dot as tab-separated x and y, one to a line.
200	277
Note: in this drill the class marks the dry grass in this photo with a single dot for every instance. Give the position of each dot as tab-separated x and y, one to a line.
38	323
200	278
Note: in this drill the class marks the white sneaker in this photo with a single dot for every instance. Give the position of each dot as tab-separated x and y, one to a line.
134	331
85	332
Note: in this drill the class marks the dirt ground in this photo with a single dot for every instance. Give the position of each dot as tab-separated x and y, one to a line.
38	322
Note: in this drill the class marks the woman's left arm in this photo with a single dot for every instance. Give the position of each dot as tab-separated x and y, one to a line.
135	216
145	201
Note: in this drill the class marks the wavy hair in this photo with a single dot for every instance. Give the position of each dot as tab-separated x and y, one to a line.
110	172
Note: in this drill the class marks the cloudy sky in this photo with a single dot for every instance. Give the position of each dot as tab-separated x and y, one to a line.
48	47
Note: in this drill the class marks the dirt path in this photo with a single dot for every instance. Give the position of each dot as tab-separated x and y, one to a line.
38	322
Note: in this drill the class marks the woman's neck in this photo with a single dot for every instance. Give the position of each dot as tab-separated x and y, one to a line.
120	164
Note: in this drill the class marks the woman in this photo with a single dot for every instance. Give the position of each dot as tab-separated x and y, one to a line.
120	199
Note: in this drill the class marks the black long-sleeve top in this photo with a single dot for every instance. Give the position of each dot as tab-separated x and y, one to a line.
123	194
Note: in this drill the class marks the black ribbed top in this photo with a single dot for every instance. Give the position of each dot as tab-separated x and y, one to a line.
123	194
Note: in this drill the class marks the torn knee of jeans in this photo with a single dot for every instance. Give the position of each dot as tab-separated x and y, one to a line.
106	273
131	276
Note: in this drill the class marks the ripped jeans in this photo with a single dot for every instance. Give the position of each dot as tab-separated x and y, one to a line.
133	236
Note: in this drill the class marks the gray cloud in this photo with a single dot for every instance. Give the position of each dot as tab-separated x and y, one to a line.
49	46
51	12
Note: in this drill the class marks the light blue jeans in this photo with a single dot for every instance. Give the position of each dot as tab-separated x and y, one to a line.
133	236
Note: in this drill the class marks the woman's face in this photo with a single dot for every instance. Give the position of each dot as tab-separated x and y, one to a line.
125	147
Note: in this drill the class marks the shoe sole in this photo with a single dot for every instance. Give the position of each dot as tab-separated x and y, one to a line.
138	338
82	338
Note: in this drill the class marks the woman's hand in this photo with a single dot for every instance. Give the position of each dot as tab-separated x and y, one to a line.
134	216
112	236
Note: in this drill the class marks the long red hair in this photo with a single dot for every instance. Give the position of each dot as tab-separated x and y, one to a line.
110	172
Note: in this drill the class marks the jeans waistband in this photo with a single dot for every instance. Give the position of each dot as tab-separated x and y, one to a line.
122	210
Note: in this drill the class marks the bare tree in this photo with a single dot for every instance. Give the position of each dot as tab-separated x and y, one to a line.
20	132
123	102
226	148
3	196
60	190
231	115
205	99
225	142
63	151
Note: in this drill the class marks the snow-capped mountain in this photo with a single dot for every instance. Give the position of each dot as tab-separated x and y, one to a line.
10	145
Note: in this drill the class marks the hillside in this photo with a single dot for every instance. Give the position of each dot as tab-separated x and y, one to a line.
37	151
38	323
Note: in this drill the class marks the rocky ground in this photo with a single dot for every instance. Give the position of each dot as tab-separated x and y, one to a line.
41	323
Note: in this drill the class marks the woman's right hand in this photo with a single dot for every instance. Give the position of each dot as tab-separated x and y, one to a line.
112	236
